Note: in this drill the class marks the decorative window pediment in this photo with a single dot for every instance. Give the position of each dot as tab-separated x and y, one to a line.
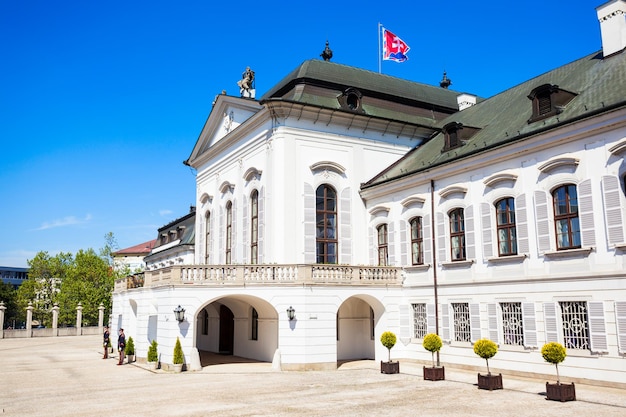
226	187
619	148
204	198
453	189
561	162
328	166
379	210
548	100
413	201
493	180
252	173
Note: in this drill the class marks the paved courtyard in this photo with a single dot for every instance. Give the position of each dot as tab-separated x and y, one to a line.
66	376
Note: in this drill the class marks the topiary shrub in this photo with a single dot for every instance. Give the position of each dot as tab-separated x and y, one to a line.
153	355
388	339
555	353
432	343
178	353
486	349
130	346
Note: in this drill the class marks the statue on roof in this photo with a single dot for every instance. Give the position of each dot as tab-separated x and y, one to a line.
246	84
327	54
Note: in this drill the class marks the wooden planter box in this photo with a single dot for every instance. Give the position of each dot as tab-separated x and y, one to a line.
434	373
389	367
489	381
560	392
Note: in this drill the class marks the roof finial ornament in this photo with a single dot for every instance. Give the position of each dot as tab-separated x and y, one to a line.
445	82
246	84
327	54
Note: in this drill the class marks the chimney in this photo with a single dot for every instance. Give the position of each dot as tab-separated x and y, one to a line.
465	100
612	17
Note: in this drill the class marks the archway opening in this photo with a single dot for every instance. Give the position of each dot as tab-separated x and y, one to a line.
357	318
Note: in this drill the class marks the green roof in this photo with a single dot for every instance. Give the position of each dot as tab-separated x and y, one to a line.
599	85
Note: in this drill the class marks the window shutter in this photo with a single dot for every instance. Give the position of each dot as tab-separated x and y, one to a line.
222	238
530	325
613	210
543	223
470	238
521	220
391	244
373	246
405	322
428	250
309	224
485	214
445	322
441	238
261	225
234	257
586	214
492	312
403	243
549	316
597	328
345	231
431	325
475	330
246	235
620	319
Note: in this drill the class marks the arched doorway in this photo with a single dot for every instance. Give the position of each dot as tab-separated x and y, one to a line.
227	331
357	318
243	326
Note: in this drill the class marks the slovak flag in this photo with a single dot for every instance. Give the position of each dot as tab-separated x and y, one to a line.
394	48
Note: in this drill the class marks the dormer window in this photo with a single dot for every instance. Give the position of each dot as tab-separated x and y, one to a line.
456	134
351	100
548	100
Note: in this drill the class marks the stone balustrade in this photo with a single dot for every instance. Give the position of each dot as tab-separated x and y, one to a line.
273	274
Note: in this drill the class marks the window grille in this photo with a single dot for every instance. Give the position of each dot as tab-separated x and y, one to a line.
420	321
575	324
512	323
462	328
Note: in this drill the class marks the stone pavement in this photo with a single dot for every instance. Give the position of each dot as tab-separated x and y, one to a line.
66	376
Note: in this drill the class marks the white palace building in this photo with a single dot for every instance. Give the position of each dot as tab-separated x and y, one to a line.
344	203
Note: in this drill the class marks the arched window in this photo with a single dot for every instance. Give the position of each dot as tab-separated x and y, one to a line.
382	244
566	219
417	241
254	322
505	220
229	231
457	234
254	227
326	224
207	236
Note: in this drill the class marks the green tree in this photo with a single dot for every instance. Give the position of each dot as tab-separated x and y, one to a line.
89	281
8	295
42	287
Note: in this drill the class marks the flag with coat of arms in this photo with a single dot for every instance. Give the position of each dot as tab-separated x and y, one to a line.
394	48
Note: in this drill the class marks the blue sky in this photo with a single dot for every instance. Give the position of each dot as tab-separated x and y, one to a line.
100	102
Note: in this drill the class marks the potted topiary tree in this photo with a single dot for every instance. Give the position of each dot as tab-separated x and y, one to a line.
487	349
179	359
129	350
153	355
388	339
555	353
432	343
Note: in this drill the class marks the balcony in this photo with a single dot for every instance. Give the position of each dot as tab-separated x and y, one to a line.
246	275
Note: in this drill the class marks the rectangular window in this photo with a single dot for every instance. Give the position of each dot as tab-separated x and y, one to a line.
229	231
457	234
507	234
207	236
254	228
512	324
461	318
420	322
417	241
566	218
575	324
382	245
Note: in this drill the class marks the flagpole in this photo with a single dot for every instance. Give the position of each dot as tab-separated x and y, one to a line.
379	50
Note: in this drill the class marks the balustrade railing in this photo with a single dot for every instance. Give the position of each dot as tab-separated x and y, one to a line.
265	274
